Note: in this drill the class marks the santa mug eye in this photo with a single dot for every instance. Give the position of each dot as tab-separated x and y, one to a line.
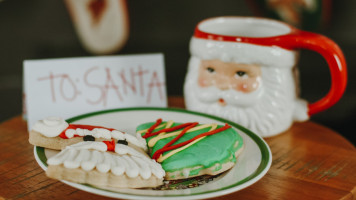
241	74
210	69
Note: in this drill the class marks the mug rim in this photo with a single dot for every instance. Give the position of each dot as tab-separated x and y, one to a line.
204	34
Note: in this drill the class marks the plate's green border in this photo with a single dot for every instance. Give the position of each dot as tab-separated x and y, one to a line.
265	156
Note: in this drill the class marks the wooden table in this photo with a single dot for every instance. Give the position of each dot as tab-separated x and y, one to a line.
309	162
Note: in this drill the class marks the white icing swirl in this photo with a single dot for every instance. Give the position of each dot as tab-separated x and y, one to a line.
117	135
100	146
70	133
119	167
106	134
101	133
50	126
90	155
54	126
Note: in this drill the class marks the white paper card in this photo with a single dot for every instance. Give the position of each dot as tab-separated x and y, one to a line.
74	86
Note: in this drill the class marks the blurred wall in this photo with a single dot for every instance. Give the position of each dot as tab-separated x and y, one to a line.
43	29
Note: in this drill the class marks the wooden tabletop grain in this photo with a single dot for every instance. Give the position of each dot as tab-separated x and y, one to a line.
310	161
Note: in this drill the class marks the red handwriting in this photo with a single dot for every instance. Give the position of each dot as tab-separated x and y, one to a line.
103	89
101	84
140	74
154	83
126	83
63	88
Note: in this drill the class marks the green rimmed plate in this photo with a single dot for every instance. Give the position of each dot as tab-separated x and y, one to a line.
251	166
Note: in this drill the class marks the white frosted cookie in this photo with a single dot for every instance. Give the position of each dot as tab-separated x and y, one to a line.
106	164
56	133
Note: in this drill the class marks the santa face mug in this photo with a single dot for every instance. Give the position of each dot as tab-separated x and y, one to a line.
244	69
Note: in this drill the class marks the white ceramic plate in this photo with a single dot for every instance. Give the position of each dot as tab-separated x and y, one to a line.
251	166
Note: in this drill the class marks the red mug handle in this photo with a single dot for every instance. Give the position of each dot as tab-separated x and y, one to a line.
333	56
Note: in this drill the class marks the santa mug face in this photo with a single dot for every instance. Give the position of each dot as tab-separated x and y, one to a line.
240	77
224	76
240	70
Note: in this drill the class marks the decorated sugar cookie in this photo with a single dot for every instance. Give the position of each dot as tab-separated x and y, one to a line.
106	164
191	149
56	133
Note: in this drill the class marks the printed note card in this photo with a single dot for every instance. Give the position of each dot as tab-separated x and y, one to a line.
72	86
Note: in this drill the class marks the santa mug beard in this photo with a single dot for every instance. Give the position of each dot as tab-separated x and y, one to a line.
268	111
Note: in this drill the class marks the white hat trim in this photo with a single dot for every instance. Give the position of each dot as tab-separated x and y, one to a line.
272	56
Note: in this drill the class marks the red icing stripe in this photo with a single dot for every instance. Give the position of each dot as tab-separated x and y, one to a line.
168	146
75	126
149	131
180	135
149	134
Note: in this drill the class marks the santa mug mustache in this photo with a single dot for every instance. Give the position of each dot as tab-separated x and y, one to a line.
244	69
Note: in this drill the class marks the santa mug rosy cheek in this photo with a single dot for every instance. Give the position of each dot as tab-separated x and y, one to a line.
244	69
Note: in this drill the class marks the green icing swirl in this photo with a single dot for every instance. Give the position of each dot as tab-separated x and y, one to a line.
214	149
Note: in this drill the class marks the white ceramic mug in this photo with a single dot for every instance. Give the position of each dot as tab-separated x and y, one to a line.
244	69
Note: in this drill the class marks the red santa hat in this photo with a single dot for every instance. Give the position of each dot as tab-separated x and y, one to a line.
212	40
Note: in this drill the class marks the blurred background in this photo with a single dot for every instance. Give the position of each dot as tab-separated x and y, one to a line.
44	29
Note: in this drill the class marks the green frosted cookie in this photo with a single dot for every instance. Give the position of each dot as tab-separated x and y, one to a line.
191	149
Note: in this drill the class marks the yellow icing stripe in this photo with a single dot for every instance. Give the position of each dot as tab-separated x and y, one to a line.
153	141
162	158
145	130
168	125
